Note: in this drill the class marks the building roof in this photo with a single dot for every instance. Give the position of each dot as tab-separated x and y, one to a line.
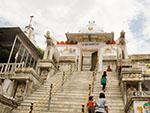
92	37
139	57
8	34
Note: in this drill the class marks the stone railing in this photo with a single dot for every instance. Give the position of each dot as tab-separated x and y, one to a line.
10	68
28	72
128	74
135	93
131	70
57	85
84	107
132	77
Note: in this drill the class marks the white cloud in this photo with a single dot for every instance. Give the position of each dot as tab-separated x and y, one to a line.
61	16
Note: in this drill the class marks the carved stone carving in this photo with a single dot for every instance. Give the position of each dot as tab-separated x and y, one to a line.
7	87
48	54
49	40
131	92
20	92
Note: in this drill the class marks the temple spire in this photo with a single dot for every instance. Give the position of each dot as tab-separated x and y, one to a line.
29	31
31	17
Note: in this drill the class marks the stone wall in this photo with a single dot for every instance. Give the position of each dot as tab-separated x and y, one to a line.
64	66
32	75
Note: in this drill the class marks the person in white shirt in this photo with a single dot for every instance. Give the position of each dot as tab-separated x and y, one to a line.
100	104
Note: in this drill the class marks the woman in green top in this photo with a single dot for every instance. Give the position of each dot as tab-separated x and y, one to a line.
104	80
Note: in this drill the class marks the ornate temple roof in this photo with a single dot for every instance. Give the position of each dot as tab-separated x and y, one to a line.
91	34
92	37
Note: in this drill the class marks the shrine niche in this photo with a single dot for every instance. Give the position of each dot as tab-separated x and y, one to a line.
44	73
20	91
109	68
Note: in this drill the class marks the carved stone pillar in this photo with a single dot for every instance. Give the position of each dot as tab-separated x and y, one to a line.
26	88
50	57
140	86
23	54
46	53
50	73
30	61
80	60
26	60
100	60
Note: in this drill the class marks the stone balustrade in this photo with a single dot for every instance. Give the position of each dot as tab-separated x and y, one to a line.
131	70
10	68
132	77
135	93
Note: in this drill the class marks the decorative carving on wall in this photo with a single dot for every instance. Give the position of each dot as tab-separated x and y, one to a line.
20	92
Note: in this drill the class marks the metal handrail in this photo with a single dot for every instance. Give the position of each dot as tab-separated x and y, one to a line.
50	94
90	91
83	109
55	88
45	96
31	108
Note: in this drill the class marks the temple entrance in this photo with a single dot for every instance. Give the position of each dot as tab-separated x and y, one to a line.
93	61
89	60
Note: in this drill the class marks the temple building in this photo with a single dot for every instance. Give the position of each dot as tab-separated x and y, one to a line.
70	71
93	49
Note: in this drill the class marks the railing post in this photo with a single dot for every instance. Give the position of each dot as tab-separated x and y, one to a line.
2	68
89	89
63	78
83	111
50	96
93	81
70	73
31	108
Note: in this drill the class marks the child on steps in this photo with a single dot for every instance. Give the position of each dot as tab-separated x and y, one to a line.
91	106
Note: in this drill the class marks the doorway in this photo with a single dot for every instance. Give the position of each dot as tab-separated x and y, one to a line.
94	61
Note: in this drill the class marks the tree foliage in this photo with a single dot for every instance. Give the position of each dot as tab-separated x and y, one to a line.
41	52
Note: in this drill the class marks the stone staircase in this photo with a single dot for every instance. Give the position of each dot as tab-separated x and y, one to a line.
113	92
67	99
40	96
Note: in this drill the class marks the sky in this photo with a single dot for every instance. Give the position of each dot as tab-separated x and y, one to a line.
61	16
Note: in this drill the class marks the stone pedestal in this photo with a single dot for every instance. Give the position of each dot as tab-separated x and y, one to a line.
46	68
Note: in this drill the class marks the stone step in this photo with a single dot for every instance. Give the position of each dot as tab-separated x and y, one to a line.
54	106
113	93
74	94
18	111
